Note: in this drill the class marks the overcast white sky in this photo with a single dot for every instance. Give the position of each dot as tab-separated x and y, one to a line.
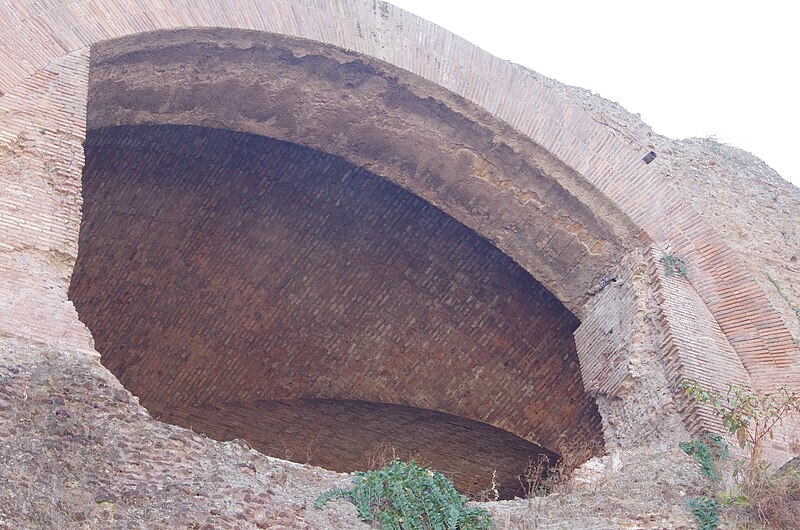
690	67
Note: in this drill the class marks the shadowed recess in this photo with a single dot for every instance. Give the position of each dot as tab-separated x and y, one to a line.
219	271
356	435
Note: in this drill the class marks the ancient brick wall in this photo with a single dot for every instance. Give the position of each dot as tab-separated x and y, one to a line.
589	170
42	126
410	132
40	33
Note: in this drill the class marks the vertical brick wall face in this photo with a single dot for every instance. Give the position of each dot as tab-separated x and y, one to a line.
218	268
42	124
692	329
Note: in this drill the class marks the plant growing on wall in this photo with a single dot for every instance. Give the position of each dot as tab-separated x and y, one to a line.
707	450
405	496
673	264
706	512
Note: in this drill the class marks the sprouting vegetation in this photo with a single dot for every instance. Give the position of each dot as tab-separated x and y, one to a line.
753	493
405	496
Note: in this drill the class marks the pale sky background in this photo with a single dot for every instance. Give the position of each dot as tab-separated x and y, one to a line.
730	69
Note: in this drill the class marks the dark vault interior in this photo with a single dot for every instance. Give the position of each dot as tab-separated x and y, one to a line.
251	288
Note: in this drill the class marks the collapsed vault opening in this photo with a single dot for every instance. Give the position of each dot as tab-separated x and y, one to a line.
253	288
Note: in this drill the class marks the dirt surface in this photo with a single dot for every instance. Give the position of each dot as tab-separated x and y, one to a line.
78	451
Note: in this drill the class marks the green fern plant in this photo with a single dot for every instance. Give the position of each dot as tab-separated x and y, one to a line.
707	450
405	496
706	512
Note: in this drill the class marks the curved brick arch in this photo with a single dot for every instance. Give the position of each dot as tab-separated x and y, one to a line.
410	132
45	62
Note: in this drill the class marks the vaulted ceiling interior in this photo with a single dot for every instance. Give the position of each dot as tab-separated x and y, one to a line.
248	287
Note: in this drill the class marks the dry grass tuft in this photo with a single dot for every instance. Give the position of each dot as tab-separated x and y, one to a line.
491	493
773	502
542	477
380	455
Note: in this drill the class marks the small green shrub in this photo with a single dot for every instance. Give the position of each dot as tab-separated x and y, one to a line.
757	497
405	496
674	265
707	450
706	512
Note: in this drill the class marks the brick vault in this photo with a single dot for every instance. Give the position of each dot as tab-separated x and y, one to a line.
244	283
247	287
339	216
